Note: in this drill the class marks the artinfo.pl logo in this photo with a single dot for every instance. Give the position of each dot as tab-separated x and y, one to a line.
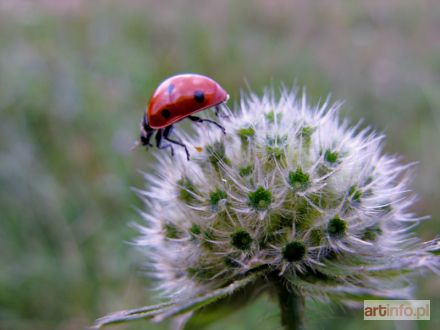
397	309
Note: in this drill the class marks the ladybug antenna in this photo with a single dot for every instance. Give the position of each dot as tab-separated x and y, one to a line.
222	110
228	110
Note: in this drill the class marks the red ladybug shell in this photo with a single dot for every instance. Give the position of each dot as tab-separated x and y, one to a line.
180	96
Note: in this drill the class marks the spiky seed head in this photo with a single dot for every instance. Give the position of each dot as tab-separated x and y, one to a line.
290	188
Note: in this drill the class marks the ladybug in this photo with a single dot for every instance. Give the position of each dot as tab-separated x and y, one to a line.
180	97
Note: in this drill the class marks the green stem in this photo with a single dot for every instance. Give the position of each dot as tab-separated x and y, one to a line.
292	306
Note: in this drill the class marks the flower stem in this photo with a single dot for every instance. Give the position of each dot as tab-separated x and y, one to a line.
292	306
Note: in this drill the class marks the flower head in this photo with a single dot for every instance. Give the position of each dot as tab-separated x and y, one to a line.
289	191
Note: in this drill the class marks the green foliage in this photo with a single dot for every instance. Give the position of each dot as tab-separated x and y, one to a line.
294	251
217	155
298	179
171	231
260	199
355	194
371	233
274	152
241	240
195	229
271	116
186	190
331	156
316	236
216	196
337	227
246	170
246	133
306	134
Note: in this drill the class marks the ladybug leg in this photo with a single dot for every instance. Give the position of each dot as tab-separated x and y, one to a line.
166	136
146	133
145	138
159	145
200	120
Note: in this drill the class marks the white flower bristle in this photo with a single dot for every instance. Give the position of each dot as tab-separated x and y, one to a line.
289	189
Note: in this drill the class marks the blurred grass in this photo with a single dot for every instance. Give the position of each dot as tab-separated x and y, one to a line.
74	80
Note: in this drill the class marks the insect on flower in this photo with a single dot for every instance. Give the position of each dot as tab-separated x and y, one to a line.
292	202
178	98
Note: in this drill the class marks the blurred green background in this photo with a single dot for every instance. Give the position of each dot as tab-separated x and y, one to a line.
75	76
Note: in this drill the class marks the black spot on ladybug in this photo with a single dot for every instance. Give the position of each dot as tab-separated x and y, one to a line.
199	96
165	113
170	88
